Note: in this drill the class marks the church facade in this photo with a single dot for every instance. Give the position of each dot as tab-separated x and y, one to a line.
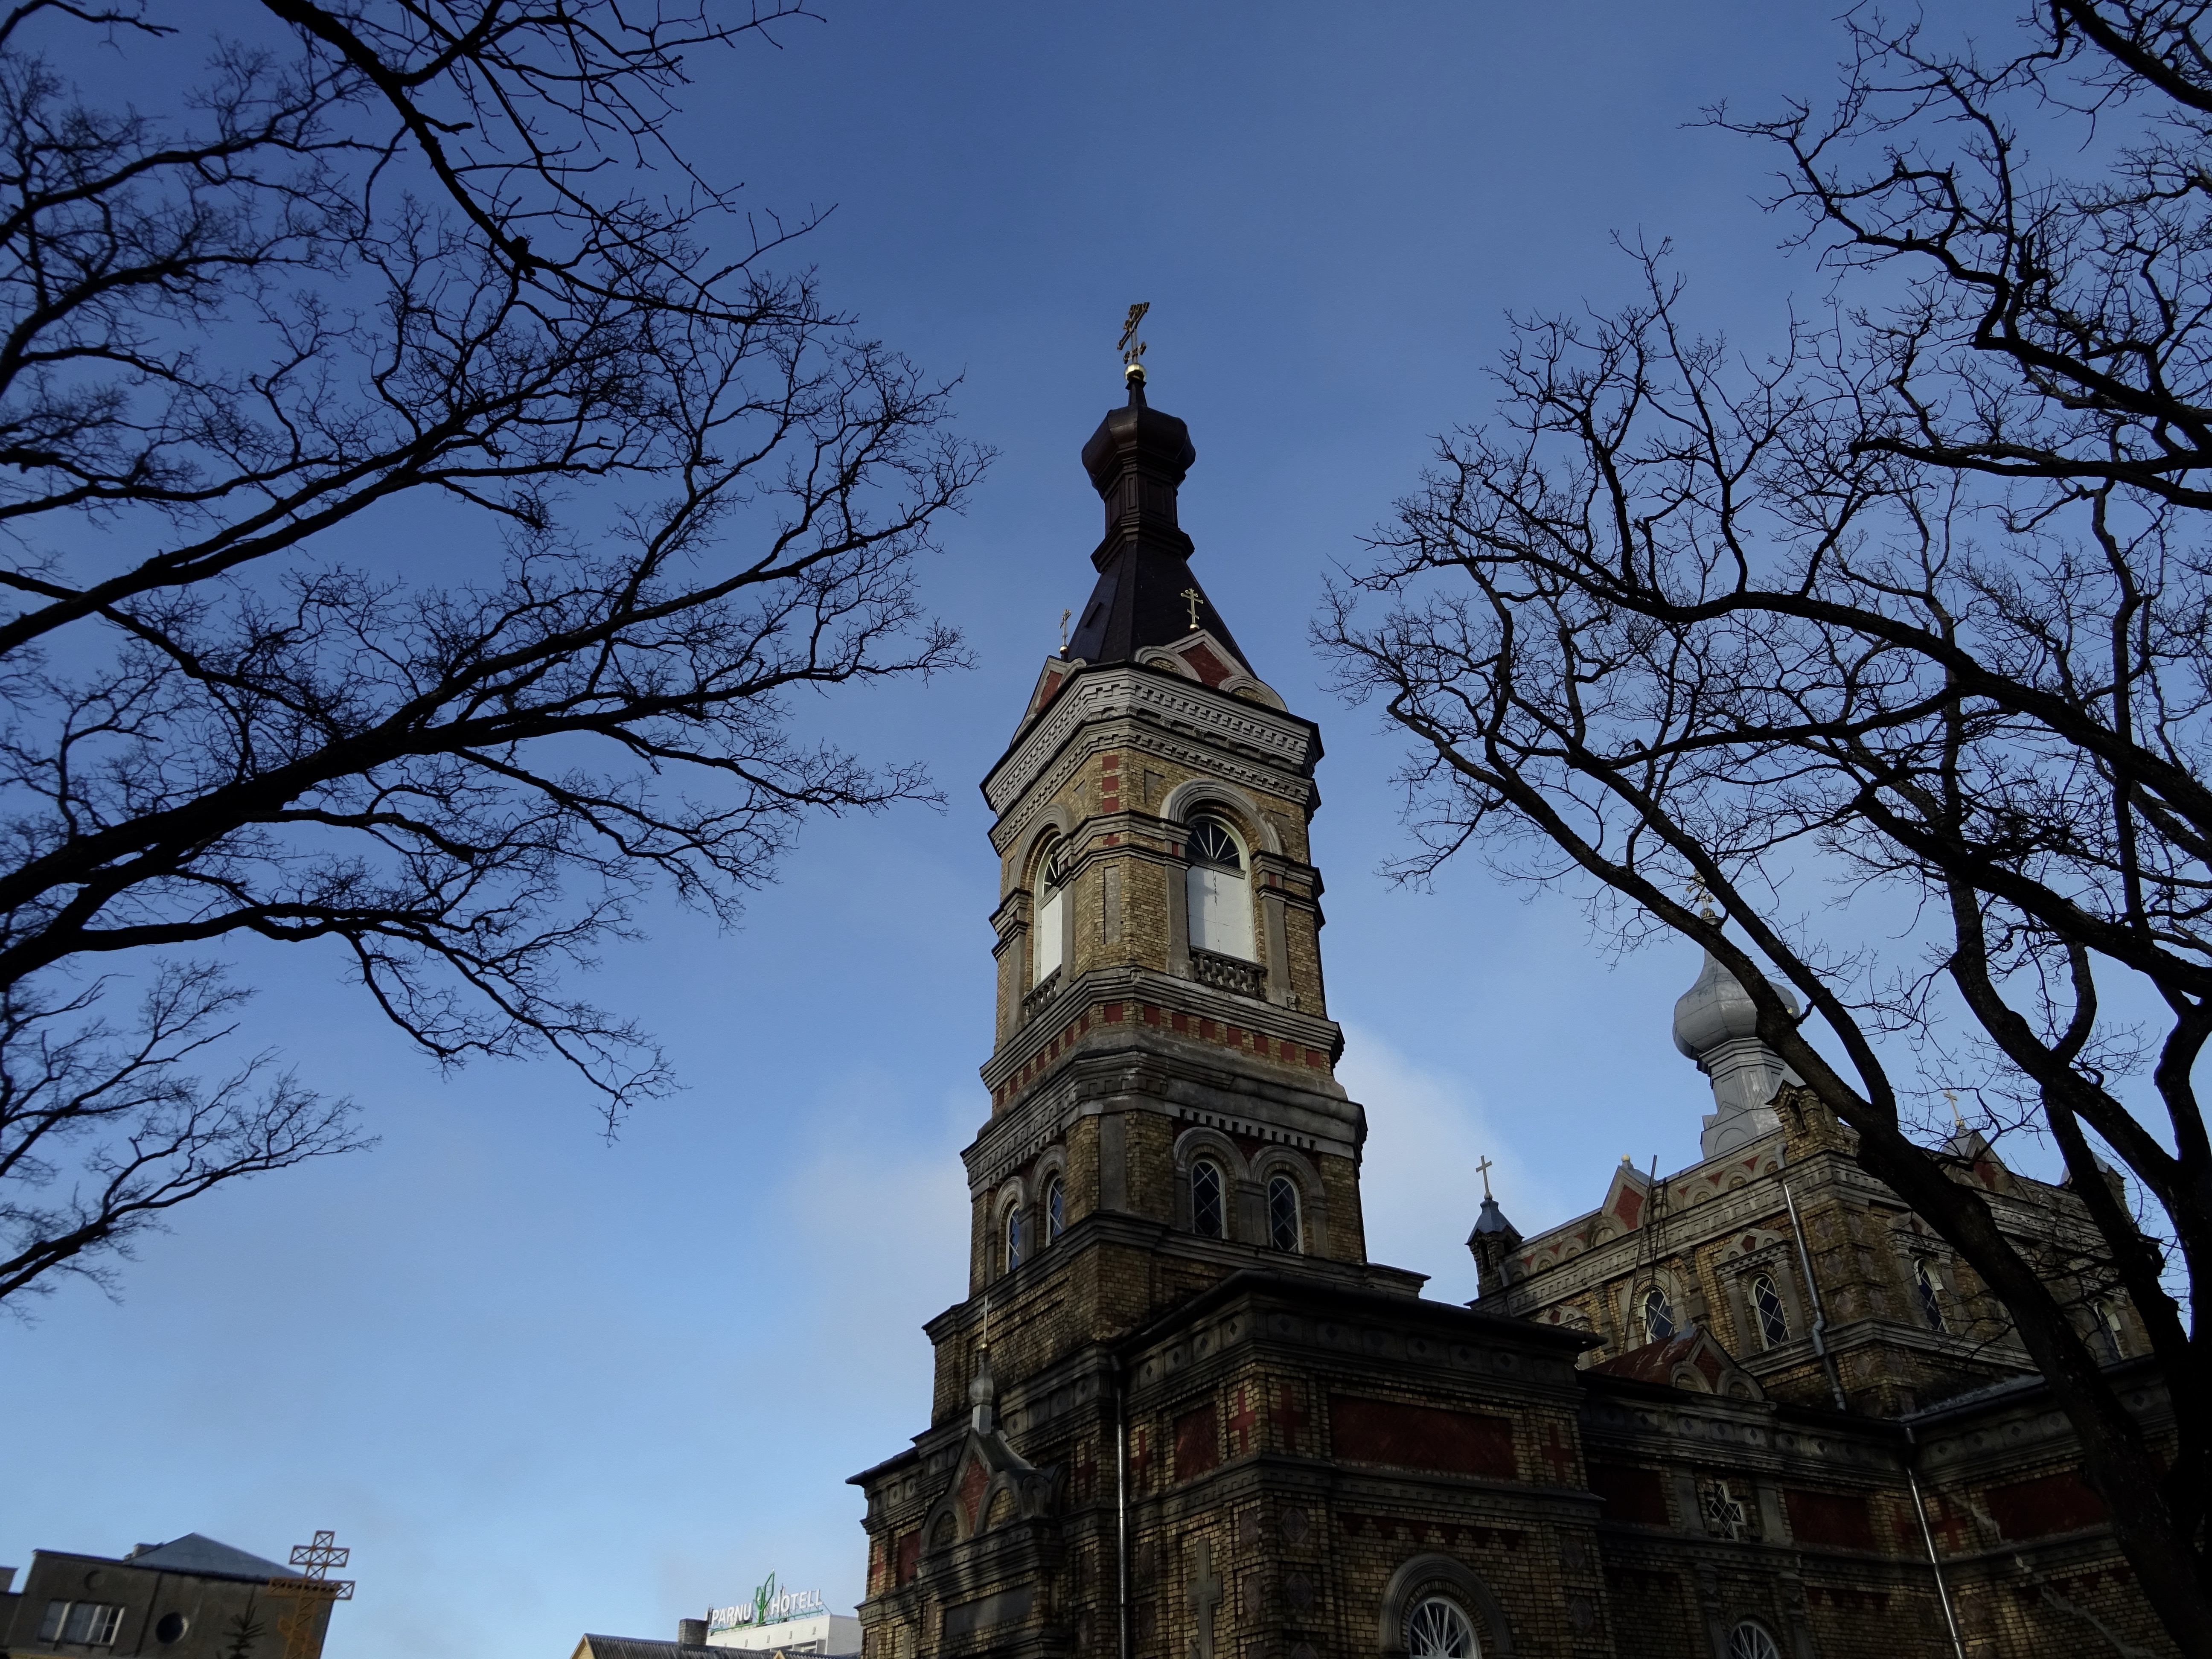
1750	1410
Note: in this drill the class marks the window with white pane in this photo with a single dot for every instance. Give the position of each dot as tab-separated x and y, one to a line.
1048	934
88	1623
1220	891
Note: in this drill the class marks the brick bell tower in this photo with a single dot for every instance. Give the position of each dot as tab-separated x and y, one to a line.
1165	1196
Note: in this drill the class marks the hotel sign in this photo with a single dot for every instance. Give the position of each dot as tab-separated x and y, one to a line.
769	1605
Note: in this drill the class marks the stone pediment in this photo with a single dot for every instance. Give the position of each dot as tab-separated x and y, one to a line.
992	1486
1693	1362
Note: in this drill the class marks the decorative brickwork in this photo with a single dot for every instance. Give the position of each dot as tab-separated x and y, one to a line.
1284	1454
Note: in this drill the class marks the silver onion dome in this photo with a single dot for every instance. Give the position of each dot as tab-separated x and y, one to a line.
1717	1025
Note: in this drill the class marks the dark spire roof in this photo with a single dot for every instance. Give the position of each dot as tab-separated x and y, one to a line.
1493	1220
1136	459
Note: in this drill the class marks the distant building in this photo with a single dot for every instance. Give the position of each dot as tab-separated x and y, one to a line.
828	1635
190	1598
786	1623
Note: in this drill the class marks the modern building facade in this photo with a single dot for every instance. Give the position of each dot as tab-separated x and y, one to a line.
1749	1410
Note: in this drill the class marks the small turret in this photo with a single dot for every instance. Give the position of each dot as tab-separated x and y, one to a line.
1717	1025
1494	1239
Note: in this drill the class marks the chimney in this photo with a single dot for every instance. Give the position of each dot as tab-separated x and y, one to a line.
691	1633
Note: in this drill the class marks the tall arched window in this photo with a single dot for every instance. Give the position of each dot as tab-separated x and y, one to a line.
1221	895
1208	1194
1285	1230
1924	1284
1013	1233
1658	1316
1440	1629
1049	936
1750	1640
1767	1308
1055	1209
2108	1336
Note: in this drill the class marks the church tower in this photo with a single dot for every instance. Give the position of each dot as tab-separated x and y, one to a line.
1748	1411
1134	1420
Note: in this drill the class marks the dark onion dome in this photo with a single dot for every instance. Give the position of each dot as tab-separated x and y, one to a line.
1137	460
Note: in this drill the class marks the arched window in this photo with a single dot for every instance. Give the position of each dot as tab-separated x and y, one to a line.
1749	1640
1049	936
1220	896
1440	1629
2108	1337
1207	1192
1013	1233
1923	1283
1767	1307
1285	1231
1658	1316
1055	1209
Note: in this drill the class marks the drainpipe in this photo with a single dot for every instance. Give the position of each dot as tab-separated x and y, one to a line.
1927	1537
1122	1500
1819	1317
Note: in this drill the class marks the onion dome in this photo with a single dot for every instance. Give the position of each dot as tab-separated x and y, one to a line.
1717	1025
1145	596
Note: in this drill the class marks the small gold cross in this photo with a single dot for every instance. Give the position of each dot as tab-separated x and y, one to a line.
1193	598
1064	615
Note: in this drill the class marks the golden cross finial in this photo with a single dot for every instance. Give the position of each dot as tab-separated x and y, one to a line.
1193	598
1699	895
1952	1095
1132	358
1484	1167
987	1322
1064	615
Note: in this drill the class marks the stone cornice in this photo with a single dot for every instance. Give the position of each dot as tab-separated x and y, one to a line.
1279	743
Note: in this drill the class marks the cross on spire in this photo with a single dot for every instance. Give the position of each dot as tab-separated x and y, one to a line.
1193	598
1483	1168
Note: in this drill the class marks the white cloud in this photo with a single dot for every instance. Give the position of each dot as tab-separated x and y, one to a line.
1426	1130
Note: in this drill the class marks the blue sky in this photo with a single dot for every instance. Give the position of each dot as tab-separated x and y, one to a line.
544	1385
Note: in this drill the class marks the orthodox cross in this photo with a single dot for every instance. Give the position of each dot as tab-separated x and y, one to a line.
1701	896
1484	1168
1204	1596
1131	358
1193	598
1952	1095
1064	615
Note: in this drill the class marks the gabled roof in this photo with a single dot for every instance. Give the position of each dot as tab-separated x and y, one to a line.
641	1647
209	1559
1691	1361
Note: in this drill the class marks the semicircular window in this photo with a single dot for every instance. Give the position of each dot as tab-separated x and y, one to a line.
1440	1629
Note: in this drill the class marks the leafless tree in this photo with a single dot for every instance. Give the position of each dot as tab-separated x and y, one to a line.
1916	603
424	495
